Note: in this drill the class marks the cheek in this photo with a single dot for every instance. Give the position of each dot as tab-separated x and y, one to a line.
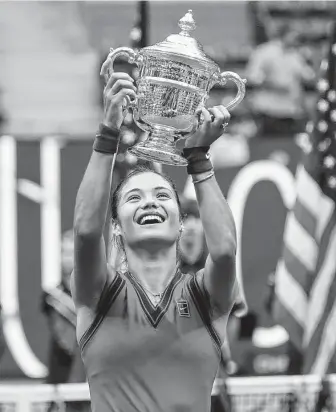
126	222
124	219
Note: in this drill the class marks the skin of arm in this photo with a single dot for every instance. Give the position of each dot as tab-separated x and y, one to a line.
220	234
91	207
216	216
90	269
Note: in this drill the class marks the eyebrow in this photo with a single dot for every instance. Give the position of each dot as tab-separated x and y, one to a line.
139	190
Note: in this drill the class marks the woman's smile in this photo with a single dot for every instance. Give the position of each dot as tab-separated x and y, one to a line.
150	218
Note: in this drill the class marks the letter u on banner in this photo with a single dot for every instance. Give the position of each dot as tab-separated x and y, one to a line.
241	186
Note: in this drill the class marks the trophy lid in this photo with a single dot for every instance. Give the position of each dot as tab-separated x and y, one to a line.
183	45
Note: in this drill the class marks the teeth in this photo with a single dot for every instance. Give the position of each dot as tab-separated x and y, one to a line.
151	217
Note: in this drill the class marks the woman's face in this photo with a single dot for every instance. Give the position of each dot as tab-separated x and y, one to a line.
148	211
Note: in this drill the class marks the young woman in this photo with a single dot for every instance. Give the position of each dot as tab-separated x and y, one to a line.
150	335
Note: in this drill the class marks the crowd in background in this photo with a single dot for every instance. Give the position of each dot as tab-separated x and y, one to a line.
278	72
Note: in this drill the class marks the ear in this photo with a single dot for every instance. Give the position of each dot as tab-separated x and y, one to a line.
116	229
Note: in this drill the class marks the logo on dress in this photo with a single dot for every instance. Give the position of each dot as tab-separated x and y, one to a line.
183	308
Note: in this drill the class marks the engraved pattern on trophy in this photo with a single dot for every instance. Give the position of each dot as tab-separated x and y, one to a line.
174	81
178	71
167	103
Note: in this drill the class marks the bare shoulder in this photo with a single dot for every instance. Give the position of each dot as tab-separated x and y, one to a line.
218	315
86	313
91	304
216	290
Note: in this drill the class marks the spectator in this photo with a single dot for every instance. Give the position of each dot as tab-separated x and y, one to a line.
261	20
58	306
277	72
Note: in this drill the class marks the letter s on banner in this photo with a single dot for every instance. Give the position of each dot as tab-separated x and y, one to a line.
241	186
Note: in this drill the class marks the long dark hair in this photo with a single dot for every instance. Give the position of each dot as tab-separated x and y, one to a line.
115	198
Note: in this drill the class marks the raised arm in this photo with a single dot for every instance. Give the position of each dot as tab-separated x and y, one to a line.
92	200
217	220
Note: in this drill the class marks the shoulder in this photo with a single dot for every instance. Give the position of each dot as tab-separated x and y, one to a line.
111	275
215	306
88	312
195	285
298	60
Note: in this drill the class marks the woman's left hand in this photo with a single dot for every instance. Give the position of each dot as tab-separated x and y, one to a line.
214	122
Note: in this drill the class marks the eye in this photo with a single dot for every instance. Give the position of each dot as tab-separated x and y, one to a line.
133	197
163	195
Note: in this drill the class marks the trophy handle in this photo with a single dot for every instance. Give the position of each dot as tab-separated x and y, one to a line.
239	82
133	57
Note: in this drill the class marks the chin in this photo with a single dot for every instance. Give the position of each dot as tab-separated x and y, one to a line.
156	236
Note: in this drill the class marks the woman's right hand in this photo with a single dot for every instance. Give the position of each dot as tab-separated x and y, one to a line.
118	86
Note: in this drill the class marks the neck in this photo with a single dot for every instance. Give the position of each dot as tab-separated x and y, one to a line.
154	270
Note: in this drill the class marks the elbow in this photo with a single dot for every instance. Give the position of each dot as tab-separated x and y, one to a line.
87	224
84	229
225	251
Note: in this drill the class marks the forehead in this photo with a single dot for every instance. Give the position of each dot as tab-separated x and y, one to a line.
146	182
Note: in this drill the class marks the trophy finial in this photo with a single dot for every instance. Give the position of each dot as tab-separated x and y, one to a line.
187	24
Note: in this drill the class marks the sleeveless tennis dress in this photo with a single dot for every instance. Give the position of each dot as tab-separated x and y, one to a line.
146	358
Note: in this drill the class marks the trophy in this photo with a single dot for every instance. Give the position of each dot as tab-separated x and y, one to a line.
175	77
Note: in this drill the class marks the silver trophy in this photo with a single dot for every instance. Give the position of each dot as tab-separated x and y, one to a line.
175	77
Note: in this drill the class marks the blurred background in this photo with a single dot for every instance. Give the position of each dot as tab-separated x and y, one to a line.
50	108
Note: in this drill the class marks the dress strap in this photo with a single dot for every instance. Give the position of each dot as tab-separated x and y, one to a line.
107	298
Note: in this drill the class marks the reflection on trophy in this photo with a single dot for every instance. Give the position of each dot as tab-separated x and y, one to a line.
174	82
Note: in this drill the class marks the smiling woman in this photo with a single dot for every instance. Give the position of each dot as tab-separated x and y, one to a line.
150	335
161	216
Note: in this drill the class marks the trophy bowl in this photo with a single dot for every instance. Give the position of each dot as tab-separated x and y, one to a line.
175	77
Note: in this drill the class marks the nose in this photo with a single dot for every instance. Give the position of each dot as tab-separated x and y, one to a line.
150	203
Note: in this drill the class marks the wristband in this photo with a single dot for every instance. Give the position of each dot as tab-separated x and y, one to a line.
203	179
198	159
107	140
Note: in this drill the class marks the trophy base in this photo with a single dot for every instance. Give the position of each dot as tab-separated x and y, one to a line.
158	149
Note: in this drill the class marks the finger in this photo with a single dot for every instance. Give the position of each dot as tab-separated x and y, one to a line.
206	116
115	76
218	119
122	84
226	113
119	97
106	68
198	111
